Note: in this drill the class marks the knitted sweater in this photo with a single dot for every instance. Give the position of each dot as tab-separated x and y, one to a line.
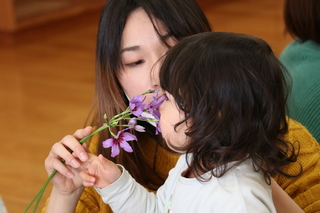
305	190
302	60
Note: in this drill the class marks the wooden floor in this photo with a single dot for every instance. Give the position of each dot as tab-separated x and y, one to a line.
47	82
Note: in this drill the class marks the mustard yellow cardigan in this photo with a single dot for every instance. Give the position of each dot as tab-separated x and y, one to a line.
304	190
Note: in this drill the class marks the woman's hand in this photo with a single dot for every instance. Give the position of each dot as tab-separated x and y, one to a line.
100	173
67	180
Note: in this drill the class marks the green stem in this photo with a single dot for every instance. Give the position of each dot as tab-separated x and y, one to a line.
120	114
149	91
93	133
111	133
113	122
40	193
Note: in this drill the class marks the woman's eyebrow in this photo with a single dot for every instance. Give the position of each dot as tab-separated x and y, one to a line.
132	48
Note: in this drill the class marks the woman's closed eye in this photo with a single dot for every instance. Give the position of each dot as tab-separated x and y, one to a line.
136	63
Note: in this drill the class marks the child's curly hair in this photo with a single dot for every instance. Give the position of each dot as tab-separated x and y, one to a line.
233	91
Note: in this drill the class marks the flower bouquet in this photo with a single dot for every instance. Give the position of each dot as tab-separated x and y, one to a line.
132	114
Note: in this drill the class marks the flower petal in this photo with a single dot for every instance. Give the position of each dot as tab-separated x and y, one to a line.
137	111
125	145
132	121
158	128
126	136
108	143
115	150
155	113
139	128
136	101
159	101
153	107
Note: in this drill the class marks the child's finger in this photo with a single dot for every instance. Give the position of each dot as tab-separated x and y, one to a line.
108	169
104	162
87	179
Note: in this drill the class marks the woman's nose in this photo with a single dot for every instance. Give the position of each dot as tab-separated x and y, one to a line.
155	81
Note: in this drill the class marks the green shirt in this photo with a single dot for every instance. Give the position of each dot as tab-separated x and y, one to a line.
302	60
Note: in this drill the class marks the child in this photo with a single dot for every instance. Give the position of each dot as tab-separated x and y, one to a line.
225	113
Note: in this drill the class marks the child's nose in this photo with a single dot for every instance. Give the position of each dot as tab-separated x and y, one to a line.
160	92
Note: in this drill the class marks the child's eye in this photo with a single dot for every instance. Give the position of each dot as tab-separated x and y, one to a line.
136	63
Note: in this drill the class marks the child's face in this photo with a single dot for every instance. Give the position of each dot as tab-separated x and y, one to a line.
171	115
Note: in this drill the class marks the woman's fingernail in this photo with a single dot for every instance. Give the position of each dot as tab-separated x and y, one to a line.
75	163
70	175
83	156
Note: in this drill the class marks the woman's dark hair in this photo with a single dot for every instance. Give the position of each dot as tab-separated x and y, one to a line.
302	19
232	91
181	18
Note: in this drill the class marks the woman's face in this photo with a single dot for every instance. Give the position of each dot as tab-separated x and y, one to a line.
171	115
141	48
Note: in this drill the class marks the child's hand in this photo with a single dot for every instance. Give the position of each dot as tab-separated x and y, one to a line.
100	173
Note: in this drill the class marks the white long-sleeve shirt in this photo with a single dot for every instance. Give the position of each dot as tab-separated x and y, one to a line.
238	190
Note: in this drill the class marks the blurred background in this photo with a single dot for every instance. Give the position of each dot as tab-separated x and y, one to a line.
47	53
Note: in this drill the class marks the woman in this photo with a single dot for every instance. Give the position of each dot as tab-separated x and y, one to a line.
133	35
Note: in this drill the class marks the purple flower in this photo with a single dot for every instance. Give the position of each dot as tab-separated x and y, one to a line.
133	123
136	105
153	107
158	129
120	140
